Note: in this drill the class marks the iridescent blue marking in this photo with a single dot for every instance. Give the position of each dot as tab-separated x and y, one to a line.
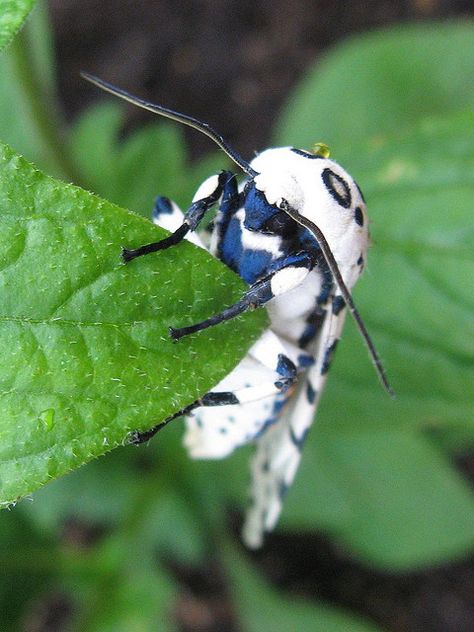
162	207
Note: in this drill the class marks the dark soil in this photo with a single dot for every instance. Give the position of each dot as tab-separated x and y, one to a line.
232	63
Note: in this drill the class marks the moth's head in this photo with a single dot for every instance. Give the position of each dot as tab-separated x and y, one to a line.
317	187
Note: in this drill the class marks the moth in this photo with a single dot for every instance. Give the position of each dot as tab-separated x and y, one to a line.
296	231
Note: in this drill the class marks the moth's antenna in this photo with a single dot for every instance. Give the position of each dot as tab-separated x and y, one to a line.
331	261
175	116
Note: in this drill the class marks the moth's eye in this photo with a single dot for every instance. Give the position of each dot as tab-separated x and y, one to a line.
337	187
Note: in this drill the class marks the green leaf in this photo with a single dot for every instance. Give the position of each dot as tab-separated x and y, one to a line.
379	83
12	16
404	505
87	356
373	473
264	610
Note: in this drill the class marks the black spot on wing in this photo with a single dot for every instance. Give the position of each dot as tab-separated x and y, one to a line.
219	399
337	187
282	490
298	442
359	216
313	325
338	304
360	260
328	357
310	393
305	361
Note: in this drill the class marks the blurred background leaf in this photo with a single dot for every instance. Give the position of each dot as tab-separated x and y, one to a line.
264	610
12	16
378	83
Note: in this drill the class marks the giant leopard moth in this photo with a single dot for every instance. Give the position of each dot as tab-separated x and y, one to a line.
296	231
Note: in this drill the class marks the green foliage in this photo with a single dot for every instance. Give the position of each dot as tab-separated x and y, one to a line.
264	609
12	15
382	82
86	355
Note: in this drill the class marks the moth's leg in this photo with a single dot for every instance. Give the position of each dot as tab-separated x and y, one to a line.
206	196
245	395
136	437
290	273
280	363
167	214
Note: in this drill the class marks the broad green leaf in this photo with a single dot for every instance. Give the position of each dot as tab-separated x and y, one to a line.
12	16
87	356
372	472
264	610
379	83
134	171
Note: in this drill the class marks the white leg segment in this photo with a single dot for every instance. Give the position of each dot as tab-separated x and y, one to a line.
172	219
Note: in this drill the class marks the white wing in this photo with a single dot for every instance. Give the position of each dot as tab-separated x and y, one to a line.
278	453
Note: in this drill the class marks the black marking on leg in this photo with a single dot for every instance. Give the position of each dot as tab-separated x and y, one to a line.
167	242
136	437
337	187
224	398
258	294
328	357
338	304
310	393
359	216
